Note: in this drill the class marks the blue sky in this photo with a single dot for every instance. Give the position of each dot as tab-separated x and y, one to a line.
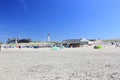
63	19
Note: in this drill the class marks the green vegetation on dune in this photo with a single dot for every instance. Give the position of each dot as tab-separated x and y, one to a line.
112	40
31	44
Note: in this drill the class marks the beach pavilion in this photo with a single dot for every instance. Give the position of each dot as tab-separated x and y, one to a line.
75	42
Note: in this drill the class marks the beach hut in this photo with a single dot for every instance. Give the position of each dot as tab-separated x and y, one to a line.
74	42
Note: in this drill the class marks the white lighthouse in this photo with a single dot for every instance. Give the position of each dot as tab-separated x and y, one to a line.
48	37
16	41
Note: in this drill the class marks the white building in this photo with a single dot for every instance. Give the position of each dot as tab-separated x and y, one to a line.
48	37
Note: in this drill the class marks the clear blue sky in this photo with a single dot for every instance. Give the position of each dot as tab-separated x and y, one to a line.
63	19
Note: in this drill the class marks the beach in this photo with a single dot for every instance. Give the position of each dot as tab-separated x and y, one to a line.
65	64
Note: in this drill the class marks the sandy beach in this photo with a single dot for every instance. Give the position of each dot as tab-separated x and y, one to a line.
64	64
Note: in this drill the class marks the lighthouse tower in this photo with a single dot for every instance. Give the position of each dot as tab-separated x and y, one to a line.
48	37
16	41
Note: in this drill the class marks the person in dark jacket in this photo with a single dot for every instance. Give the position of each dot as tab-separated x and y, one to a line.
19	47
0	47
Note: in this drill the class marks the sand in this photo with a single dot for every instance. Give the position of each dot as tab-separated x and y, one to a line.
64	64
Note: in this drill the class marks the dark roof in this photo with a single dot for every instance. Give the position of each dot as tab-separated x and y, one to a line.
92	39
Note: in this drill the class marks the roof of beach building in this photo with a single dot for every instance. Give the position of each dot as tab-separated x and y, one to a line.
92	39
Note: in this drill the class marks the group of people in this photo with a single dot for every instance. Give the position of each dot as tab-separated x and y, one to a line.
116	44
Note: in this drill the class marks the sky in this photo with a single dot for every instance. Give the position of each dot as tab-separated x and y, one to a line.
62	19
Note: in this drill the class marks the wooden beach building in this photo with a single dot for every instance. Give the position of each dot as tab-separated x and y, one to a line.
74	42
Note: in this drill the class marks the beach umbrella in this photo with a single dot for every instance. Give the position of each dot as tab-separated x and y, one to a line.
62	47
55	48
99	47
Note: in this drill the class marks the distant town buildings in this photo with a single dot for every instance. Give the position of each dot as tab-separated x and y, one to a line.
15	41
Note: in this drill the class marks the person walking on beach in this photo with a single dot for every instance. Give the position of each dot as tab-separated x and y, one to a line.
19	47
0	46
